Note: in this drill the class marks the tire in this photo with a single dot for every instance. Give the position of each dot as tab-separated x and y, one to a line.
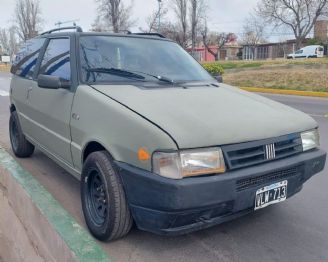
104	204
20	146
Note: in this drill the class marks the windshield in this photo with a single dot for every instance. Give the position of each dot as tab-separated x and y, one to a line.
117	58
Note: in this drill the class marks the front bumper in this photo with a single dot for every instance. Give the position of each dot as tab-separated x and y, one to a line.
171	207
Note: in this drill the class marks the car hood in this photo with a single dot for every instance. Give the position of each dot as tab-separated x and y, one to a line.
210	116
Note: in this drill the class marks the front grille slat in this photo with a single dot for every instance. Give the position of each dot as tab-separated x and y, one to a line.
288	146
240	157
257	152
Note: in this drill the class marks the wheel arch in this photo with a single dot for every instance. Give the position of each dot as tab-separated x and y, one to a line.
91	147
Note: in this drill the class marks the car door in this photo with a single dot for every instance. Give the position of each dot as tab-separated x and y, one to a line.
299	54
23	78
50	109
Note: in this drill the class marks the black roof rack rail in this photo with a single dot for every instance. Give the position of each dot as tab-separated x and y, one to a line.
150	34
112	31
77	28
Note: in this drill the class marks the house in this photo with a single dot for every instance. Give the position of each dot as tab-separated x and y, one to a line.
281	49
270	50
228	52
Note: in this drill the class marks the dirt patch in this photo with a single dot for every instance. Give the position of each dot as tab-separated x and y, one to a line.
4	68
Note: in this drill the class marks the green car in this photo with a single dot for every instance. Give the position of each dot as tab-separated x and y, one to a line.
154	139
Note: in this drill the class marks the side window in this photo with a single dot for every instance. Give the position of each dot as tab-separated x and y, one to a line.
56	59
25	60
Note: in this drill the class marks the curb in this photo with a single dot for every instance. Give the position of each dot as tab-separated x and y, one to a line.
77	240
285	92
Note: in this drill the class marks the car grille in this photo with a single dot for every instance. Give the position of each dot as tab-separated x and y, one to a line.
246	183
257	152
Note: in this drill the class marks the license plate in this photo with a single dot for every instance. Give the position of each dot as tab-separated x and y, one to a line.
272	194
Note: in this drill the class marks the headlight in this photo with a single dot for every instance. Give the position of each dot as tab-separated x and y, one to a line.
310	139
188	163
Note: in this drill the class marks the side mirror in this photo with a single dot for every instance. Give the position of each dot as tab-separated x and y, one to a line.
52	82
219	78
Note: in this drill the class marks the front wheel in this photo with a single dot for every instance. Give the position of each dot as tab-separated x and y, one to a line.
104	204
19	144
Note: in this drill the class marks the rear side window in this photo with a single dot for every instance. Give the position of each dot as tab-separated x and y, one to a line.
25	60
320	49
56	59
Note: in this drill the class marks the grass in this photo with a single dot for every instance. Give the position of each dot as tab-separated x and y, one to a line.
301	74
295	78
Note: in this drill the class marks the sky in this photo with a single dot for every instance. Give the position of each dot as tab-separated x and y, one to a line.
223	15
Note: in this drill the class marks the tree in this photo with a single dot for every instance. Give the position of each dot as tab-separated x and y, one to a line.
197	11
152	20
27	18
4	41
216	39
99	25
253	32
298	15
180	8
8	41
113	15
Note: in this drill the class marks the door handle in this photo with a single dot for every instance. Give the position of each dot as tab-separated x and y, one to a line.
28	92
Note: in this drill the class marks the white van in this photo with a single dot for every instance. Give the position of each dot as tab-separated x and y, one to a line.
311	51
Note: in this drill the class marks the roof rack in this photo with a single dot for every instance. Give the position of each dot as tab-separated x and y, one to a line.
150	34
77	28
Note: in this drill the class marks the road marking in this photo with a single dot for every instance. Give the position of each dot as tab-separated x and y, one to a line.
4	93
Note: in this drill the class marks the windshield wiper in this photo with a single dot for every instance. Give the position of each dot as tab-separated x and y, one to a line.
158	77
127	73
162	78
115	71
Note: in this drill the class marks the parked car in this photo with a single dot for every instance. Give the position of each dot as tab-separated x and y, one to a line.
311	51
152	136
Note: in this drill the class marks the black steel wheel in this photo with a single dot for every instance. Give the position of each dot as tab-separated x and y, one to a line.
19	144
104	204
97	203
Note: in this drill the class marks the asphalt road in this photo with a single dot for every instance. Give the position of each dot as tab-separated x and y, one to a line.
296	230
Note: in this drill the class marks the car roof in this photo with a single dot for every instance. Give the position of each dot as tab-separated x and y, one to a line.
311	46
153	36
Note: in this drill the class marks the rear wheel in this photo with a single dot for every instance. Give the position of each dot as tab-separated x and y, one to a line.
19	144
104	204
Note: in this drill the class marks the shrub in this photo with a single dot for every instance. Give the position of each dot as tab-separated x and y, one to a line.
214	68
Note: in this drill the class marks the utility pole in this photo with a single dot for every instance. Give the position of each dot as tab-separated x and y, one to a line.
159	14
